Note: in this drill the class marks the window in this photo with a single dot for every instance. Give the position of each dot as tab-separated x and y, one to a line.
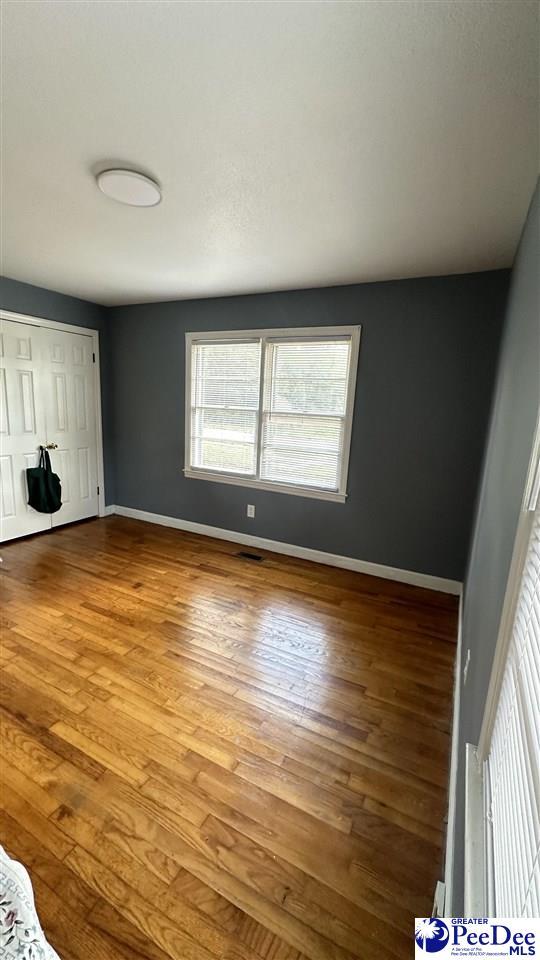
272	408
502	797
513	763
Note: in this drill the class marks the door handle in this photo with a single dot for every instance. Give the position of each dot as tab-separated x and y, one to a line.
49	446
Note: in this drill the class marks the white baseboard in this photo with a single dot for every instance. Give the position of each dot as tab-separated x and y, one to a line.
452	784
109	510
291	550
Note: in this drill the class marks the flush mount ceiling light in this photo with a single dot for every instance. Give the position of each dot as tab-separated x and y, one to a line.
128	186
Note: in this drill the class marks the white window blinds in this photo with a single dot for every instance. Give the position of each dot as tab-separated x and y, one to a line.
513	764
305	394
225	406
274	410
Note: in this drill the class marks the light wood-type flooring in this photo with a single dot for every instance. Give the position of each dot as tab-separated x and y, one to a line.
205	757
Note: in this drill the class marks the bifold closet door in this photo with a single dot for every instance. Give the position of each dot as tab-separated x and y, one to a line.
47	396
22	426
70	417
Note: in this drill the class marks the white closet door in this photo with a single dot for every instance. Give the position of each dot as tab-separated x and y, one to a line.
70	413
22	426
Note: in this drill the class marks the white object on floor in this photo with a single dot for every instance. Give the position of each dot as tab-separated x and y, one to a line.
21	936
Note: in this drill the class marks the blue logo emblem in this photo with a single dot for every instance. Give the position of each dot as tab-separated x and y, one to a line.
431	934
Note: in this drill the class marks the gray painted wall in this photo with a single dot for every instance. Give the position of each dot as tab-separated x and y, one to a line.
511	434
426	371
37	302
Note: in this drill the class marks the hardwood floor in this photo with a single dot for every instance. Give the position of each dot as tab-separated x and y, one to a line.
208	757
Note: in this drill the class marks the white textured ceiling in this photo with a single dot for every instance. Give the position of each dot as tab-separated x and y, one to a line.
298	143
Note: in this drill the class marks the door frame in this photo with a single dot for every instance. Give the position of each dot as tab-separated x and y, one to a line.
94	334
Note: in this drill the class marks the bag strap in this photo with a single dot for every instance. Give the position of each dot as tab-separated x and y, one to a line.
44	459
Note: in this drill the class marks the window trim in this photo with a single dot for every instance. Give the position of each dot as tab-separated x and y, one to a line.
479	889
318	493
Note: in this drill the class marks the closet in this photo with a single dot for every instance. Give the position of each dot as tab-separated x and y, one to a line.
47	397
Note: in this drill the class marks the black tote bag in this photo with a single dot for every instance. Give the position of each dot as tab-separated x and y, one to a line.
44	488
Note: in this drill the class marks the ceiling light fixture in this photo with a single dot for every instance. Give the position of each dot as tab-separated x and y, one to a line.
128	186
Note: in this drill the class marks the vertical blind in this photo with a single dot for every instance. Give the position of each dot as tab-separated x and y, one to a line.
273	409
513	763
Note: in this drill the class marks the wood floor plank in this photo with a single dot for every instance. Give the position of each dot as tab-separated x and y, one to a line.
148	920
22	811
104	748
41	862
105	919
69	933
208	758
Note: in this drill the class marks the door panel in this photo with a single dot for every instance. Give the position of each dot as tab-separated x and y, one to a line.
71	421
22	426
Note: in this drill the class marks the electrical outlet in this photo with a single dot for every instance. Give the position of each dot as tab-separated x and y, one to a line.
251	510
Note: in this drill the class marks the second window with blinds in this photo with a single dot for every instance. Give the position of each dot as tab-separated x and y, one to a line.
272	409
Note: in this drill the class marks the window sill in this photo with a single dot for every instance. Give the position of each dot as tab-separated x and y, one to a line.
310	492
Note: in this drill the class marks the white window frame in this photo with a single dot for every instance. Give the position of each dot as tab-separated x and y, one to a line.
294	333
478	878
